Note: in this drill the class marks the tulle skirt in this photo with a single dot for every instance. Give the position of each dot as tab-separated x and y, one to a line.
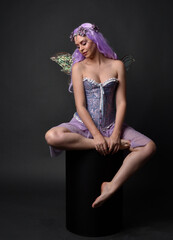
136	138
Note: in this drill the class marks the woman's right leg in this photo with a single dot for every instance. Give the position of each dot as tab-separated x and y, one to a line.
62	138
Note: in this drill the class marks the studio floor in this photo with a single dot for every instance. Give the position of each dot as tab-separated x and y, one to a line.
31	212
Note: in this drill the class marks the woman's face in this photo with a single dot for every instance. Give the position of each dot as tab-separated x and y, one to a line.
86	46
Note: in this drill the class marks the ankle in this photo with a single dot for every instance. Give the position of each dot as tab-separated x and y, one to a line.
114	185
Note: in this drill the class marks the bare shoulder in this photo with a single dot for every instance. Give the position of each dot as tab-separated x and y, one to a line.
77	67
119	67
119	64
76	73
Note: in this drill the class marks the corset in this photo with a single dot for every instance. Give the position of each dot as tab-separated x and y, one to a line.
100	101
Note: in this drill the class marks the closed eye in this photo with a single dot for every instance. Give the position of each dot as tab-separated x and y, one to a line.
82	43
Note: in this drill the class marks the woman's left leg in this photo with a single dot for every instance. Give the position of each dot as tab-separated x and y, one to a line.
134	160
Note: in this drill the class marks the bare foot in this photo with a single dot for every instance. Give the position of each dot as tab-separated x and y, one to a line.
107	189
124	144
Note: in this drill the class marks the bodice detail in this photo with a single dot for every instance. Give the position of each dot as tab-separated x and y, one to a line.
100	101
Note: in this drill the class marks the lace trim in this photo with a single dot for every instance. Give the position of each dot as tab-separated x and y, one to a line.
113	79
108	126
77	118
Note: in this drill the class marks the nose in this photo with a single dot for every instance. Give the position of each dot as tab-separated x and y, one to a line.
81	48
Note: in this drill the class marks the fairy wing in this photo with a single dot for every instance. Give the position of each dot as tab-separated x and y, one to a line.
128	60
64	60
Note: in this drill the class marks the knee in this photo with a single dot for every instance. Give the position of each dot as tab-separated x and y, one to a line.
49	136
53	137
151	148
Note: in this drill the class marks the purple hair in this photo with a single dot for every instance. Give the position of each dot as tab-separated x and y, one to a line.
91	31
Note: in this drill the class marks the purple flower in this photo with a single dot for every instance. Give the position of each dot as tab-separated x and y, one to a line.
71	37
95	28
82	31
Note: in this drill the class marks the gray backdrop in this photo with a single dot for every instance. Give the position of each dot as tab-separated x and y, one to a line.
34	92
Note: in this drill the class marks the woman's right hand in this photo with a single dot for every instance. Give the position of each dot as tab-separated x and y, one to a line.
101	144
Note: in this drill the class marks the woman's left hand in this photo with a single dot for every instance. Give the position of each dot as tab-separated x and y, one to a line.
113	144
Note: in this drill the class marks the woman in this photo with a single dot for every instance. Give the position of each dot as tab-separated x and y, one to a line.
98	83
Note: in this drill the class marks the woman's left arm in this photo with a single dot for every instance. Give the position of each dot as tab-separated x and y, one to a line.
120	107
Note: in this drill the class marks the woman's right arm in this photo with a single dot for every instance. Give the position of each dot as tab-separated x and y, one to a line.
80	102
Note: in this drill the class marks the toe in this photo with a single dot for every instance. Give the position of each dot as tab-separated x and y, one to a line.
97	202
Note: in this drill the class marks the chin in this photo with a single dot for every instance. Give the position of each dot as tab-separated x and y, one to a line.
88	55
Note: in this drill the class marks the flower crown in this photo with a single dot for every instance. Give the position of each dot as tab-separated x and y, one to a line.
82	31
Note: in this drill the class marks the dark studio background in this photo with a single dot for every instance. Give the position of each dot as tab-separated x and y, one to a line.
34	97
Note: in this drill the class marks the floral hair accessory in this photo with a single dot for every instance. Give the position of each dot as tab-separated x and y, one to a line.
82	31
95	28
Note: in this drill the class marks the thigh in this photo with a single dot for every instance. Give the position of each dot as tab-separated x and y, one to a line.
59	129
136	138
73	126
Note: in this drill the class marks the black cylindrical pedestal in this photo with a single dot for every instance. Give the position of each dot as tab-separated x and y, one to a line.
86	170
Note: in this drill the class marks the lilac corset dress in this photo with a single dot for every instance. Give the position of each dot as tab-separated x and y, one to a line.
100	103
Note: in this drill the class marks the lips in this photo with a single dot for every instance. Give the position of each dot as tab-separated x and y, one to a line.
84	53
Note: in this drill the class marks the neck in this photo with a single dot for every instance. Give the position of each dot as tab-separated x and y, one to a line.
98	58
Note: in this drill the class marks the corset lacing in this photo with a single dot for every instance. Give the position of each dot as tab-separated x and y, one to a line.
101	103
